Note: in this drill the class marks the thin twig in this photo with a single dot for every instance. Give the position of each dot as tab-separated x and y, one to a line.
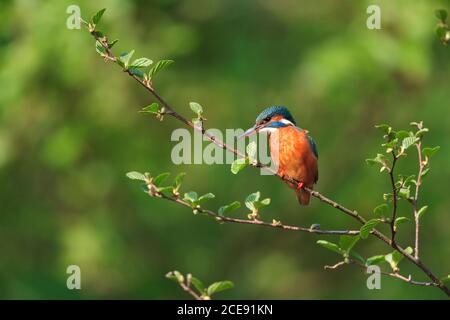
414	202
170	111
394	199
275	224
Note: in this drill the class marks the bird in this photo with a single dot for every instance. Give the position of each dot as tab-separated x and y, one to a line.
292	149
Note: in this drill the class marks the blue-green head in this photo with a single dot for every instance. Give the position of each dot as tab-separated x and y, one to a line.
271	119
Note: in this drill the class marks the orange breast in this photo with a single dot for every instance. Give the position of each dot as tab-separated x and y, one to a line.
291	152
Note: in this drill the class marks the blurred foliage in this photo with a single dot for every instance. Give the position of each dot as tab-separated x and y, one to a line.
70	130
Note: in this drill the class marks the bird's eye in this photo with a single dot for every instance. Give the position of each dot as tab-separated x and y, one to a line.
266	119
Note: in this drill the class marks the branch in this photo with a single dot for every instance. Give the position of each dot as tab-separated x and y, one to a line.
394	199
354	214
389	274
273	224
416	197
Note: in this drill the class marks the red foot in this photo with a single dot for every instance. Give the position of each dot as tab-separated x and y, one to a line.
299	185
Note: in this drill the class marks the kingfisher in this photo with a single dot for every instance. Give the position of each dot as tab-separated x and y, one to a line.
292	149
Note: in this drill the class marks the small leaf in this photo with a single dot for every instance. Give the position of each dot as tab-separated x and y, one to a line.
404	192
96	18
330	246
158	67
384	128
191	196
375	260
402	134
357	256
251	150
348	242
205	198
421	132
175	275
179	180
124	58
368	227
429	152
197	108
152	108
160	178
251	199
408	142
238	165
111	44
381	210
399	221
141	63
134	175
265	202
198	285
100	48
229	207
422	211
441	14
219	286
168	189
137	72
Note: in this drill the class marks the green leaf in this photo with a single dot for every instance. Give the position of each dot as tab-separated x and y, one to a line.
124	58
429	152
191	196
330	246
111	44
251	199
421	132
229	207
175	275
100	48
357	256
152	108
96	18
402	134
179	180
346	242
219	286
441	14
198	285
384	128
158	67
368	227
239	164
160	178
375	260
422	211
141	63
408	142
399	221
264	202
395	257
197	108
168	189
251	150
380	158
404	192
381	210
205	198
137	72
134	175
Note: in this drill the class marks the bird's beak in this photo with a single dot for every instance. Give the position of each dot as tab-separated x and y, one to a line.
251	131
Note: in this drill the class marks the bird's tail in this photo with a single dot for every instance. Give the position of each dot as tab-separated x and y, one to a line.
303	196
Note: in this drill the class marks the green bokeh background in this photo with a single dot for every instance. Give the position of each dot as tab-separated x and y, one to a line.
70	130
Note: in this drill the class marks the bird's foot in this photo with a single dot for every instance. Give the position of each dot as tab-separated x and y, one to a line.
299	185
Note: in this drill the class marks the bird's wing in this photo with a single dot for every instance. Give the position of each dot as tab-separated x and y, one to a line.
313	146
